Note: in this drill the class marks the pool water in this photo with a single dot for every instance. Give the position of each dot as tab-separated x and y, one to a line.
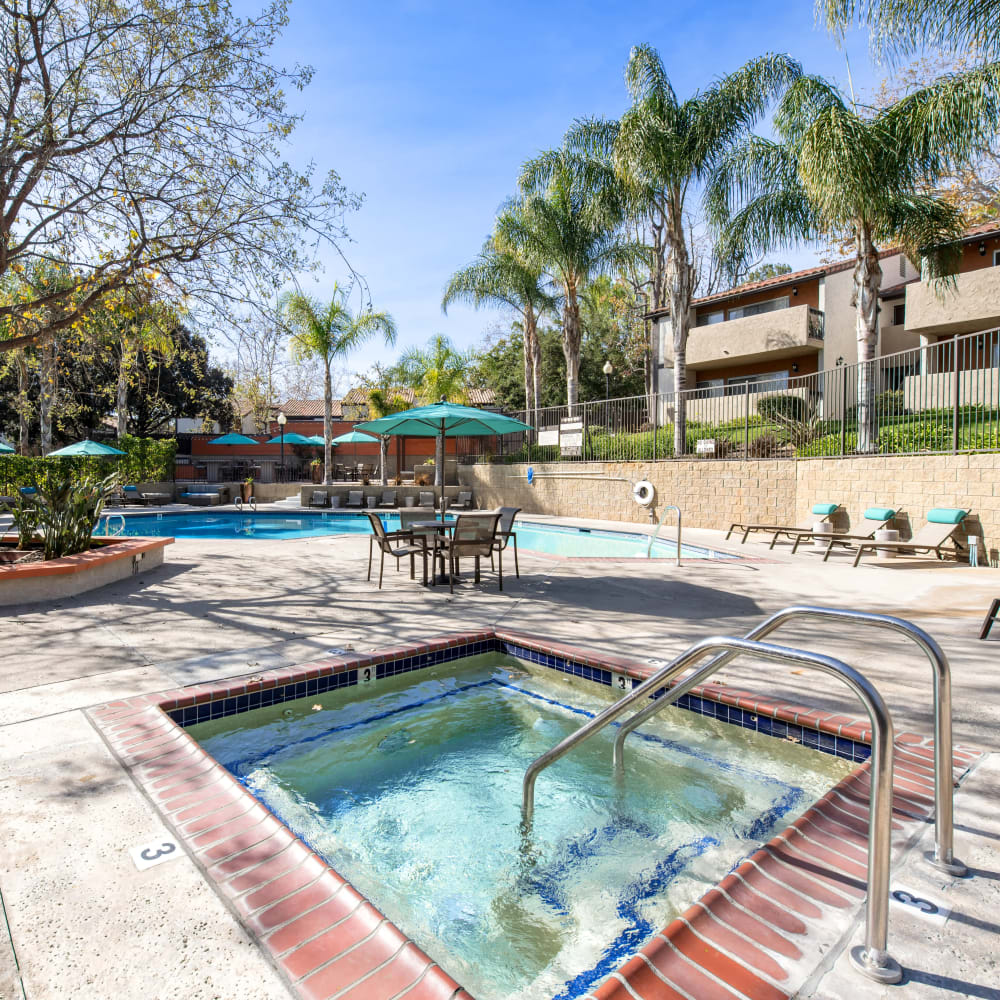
411	789
555	539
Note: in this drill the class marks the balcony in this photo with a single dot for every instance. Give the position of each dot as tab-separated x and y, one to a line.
971	305
766	336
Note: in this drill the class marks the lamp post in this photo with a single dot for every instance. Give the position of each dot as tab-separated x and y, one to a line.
608	369
282	420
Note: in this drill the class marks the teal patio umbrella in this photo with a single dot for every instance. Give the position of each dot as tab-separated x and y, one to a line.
85	447
233	438
354	437
441	420
5	449
292	437
318	440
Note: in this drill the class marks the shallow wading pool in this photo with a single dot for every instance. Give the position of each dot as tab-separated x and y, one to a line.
554	539
410	787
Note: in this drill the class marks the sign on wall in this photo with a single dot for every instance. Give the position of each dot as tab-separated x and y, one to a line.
571	437
548	435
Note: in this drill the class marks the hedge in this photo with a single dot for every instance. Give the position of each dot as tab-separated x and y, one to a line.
145	460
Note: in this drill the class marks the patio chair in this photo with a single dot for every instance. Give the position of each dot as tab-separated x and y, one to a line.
355	498
942	523
131	494
506	534
318	498
474	537
408	516
387	543
388	498
990	619
462	502
426	499
823	510
874	518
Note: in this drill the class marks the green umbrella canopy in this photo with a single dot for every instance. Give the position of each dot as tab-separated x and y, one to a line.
5	449
354	437
318	440
233	438
292	437
451	419
86	447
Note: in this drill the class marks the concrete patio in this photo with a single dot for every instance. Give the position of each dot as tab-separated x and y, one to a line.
85	923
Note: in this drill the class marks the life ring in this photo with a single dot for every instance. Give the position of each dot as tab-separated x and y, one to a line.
643	492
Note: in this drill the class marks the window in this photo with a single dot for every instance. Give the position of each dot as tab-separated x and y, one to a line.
996	258
899	314
710	388
710	318
772	380
759	307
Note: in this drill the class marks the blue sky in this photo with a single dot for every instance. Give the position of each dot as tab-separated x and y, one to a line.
429	109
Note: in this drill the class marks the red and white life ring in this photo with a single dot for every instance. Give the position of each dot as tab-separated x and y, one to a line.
643	492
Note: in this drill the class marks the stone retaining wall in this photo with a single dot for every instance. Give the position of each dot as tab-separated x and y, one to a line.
713	494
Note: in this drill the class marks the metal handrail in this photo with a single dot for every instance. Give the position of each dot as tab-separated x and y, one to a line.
942	857
107	523
663	516
871	959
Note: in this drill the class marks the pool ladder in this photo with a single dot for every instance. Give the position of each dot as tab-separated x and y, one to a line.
872	958
656	531
107	524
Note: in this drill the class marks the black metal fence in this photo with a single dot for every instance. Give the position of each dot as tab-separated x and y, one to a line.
939	399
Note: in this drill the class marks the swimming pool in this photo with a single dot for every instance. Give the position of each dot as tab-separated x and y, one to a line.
553	539
410	787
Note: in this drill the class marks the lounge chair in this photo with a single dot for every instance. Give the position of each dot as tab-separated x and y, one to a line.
462	502
875	518
942	523
388	498
990	619
318	498
474	537
387	541
202	498
131	494
823	510
506	534
426	500
355	498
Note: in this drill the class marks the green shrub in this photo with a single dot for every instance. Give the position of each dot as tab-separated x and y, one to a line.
783	408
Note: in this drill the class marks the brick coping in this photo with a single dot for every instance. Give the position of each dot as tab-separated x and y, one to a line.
81	562
756	931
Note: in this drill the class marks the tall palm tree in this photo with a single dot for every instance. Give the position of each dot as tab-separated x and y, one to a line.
574	231
384	398
656	154
437	372
508	278
858	175
328	332
899	27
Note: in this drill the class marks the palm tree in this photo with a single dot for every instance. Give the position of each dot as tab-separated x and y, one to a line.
899	27
858	175
436	372
573	231
329	332
508	278
384	398
659	150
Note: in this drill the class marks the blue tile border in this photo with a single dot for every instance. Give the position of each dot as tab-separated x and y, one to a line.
813	739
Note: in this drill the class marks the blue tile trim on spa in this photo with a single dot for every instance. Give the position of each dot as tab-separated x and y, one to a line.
838	746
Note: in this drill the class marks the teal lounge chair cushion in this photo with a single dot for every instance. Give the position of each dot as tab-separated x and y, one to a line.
879	513
946	515
826	509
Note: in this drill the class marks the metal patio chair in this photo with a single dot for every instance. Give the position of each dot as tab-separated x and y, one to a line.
505	534
474	537
415	545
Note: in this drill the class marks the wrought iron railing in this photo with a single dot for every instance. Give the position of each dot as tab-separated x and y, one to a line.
940	398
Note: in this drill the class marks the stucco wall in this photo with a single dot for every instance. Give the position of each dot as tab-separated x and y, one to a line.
713	494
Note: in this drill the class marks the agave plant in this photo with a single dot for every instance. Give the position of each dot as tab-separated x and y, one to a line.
66	510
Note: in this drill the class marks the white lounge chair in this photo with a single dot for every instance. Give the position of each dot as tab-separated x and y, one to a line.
939	531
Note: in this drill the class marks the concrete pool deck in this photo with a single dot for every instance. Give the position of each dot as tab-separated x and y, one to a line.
85	923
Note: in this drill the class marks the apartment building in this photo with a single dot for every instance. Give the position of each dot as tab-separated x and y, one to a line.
790	325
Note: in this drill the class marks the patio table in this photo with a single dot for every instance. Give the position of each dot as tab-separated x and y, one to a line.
441	527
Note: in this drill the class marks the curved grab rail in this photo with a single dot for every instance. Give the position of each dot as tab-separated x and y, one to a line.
663	516
107	524
871	959
942	857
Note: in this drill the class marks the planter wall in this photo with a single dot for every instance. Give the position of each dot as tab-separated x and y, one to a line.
58	578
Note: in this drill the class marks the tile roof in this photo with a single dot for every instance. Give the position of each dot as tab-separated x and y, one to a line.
895	291
306	408
482	397
358	396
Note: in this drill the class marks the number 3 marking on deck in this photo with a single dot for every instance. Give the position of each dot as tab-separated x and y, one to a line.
926	908
621	683
160	851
